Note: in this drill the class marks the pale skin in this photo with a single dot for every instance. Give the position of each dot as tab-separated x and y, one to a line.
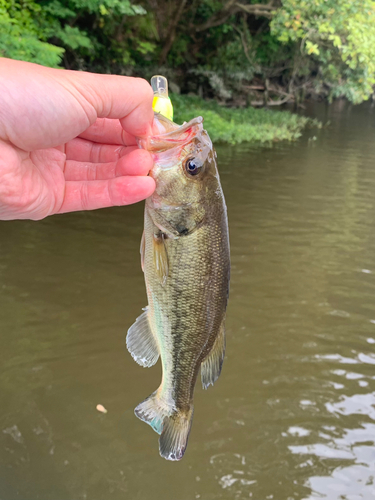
68	140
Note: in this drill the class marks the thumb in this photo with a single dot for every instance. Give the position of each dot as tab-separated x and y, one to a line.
44	107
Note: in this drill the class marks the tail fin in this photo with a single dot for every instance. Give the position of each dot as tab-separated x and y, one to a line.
174	438
153	411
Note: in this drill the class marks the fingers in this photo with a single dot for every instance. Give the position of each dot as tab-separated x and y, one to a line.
136	162
90	195
45	107
108	131
82	150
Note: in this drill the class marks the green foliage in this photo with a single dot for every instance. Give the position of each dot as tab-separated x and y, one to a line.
240	125
339	35
21	37
93	34
74	38
96	34
214	48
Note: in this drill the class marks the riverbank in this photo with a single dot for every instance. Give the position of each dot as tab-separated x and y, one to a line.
236	125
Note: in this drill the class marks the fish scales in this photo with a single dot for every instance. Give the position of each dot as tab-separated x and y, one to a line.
196	265
186	264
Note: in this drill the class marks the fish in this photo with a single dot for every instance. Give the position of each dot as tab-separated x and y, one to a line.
186	263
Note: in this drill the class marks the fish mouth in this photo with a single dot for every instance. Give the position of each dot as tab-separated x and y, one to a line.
178	137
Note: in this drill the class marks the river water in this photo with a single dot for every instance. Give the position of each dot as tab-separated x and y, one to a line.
293	413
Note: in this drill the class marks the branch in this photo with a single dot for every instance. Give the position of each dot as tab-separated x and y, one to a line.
172	32
253	87
244	45
271	103
218	18
232	7
257	9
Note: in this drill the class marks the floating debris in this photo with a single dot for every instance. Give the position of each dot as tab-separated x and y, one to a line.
101	409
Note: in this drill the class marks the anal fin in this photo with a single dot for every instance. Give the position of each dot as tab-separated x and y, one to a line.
141	342
213	362
153	411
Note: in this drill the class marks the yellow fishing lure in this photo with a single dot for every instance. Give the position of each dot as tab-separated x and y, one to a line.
161	103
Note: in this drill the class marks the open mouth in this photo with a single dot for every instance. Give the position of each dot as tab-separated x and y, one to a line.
178	137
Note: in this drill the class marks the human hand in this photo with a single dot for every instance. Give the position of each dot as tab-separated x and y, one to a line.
67	140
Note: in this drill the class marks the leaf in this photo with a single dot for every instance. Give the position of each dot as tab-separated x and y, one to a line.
312	48
74	38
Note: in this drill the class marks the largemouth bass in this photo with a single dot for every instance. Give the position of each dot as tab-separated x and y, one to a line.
185	259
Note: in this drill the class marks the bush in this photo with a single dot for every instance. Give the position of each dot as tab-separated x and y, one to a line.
236	125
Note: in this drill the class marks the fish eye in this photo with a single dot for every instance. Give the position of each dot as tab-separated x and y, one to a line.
193	166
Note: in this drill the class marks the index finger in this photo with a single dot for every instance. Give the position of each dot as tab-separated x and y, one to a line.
127	98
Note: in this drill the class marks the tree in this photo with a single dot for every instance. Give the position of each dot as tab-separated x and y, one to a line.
21	37
335	38
223	48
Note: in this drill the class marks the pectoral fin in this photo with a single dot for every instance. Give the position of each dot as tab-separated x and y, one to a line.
160	257
212	364
141	342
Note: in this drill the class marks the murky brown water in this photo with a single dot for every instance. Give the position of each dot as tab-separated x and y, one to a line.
293	414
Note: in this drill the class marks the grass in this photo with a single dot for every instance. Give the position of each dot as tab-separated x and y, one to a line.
235	125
